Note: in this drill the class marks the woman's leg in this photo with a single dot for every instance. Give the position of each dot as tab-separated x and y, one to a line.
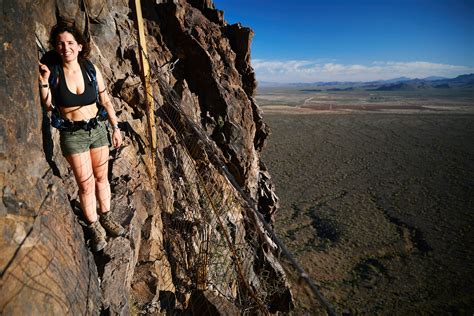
82	167
100	167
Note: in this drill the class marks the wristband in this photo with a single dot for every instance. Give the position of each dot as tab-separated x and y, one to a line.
44	85
115	126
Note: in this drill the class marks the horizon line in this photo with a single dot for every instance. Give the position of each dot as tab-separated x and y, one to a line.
307	71
363	81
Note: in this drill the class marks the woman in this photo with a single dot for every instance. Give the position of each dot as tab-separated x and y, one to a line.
83	138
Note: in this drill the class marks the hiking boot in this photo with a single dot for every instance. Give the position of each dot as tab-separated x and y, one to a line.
97	240
113	228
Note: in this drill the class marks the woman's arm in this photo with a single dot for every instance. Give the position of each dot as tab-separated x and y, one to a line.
109	107
45	89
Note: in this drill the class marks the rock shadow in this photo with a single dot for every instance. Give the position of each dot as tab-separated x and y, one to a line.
48	144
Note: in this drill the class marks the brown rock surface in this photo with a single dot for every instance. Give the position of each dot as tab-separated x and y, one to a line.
188	230
45	266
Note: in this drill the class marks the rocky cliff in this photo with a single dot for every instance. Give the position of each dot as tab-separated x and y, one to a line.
194	242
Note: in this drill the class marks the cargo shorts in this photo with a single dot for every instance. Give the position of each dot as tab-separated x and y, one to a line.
79	141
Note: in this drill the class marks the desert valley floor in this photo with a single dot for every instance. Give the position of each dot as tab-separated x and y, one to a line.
378	205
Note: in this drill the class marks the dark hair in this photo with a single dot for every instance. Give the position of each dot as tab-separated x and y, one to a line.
65	27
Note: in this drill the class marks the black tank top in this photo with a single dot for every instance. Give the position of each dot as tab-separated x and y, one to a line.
65	98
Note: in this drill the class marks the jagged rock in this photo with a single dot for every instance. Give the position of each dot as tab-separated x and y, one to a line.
117	277
208	66
208	9
210	303
268	202
240	39
202	4
189	101
188	227
97	10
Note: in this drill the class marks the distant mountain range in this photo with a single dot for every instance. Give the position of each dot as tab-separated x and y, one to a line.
395	84
463	81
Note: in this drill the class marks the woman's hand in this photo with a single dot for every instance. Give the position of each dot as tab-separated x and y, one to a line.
44	73
45	94
116	138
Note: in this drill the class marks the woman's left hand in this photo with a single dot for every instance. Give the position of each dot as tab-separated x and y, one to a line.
116	138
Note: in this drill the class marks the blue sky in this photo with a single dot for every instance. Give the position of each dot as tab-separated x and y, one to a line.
358	40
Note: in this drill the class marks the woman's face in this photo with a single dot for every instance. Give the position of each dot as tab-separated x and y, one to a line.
67	46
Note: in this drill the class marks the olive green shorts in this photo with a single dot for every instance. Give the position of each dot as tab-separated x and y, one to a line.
81	140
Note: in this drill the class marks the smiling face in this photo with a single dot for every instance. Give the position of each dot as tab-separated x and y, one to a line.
67	47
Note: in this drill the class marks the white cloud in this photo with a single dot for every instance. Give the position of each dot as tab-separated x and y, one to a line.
313	71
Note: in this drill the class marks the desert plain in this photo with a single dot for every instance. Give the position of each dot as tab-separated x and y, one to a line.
376	196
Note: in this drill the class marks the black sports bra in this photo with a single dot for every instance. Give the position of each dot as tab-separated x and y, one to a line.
65	98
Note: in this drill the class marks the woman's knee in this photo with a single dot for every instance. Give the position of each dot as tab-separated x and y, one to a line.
87	186
102	180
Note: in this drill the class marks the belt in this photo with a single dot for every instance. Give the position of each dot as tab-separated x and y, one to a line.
87	125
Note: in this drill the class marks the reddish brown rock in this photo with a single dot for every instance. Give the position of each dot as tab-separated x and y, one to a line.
187	225
45	265
240	39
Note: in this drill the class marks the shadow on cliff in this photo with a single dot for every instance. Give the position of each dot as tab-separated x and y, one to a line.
48	58
48	144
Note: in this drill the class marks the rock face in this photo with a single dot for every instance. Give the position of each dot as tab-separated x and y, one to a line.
194	244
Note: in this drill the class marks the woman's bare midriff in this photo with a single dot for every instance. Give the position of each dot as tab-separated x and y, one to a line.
80	113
